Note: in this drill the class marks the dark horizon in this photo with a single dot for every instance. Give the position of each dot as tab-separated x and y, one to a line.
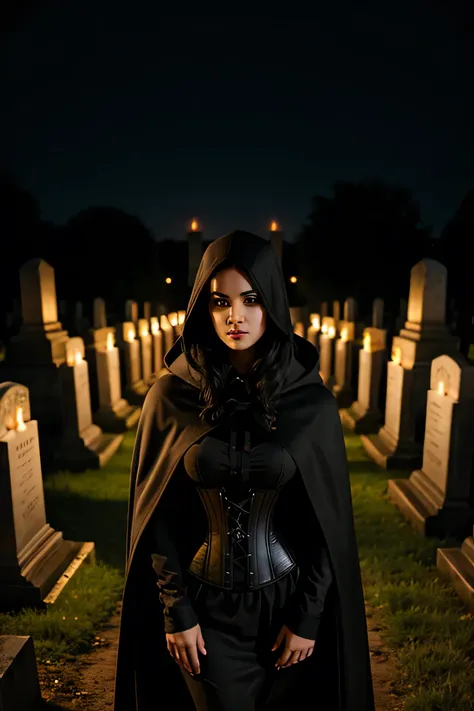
237	121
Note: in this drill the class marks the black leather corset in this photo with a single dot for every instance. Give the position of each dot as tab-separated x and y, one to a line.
241	534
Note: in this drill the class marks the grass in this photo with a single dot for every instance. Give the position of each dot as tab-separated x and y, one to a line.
420	616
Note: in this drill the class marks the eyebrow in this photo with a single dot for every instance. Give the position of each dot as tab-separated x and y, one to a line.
242	293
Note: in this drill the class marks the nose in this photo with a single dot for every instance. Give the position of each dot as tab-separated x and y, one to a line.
236	313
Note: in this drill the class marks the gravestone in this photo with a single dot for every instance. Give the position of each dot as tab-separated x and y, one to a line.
114	413
134	389
347	357
181	320
83	444
436	499
32	554
312	333
34	355
19	682
399	443
327	340
147	310
336	313
146	351
157	336
324	310
377	313
97	337
168	332
131	312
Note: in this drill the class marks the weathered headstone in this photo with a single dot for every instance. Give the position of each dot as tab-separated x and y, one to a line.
146	351
19	682
346	360
168	332
364	415
312	333
399	443
83	444
157	336
32	554
327	340
33	356
135	389
114	413
437	499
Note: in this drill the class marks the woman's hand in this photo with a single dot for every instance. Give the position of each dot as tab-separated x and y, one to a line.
184	646
295	650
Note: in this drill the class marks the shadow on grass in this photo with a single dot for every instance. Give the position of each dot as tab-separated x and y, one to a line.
84	519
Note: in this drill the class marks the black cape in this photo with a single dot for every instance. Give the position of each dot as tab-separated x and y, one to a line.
308	426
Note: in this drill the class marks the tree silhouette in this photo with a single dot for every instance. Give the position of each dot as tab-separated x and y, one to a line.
361	241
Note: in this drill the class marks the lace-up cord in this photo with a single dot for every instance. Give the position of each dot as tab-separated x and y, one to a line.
237	516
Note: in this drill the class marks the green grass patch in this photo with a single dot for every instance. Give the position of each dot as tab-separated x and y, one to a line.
90	506
421	617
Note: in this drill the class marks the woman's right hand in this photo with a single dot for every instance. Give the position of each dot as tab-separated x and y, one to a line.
184	646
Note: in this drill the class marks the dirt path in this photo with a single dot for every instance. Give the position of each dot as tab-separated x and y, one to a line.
88	685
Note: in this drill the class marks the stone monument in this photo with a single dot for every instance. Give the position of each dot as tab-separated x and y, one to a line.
312	334
399	443
146	351
437	499
32	554
346	357
83	444
135	388
157	336
327	339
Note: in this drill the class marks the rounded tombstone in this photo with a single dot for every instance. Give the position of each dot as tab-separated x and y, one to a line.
14	407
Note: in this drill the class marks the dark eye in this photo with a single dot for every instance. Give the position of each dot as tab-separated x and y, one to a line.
219	302
253	299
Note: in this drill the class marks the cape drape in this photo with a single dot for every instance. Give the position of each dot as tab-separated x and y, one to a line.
308	426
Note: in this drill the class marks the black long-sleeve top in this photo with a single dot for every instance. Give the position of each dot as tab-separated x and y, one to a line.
239	454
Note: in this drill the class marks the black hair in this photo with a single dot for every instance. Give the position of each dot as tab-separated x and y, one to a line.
206	353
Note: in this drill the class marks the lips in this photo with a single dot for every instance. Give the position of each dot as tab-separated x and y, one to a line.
236	333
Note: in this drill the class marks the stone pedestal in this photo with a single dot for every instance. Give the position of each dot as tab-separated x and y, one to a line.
19	682
83	444
457	566
364	416
437	499
32	554
399	443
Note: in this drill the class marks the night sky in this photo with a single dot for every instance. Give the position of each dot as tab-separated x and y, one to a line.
238	120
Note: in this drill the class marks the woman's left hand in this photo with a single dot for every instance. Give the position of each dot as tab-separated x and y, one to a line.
295	650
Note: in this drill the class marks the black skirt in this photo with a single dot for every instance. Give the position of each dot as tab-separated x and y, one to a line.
239	630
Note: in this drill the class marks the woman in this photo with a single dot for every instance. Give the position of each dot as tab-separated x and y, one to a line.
242	564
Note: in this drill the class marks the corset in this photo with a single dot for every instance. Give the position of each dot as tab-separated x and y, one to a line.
241	534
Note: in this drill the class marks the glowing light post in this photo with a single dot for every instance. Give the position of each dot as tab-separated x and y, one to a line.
194	237
276	238
314	329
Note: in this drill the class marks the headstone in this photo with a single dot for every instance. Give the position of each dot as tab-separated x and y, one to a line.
377	313
19	682
131	311
181	319
350	310
157	336
364	415
135	389
146	351
100	314
346	360
168	332
437	499
336	312
32	554
327	340
33	356
312	333
83	444
113	413
324	309
147	311
399	443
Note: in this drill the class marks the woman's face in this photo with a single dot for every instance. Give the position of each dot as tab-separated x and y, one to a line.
234	305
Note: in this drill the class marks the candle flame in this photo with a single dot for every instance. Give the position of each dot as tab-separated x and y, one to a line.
131	335
331	331
367	342
173	319
181	317
274	226
194	226
110	341
441	389
397	355
19	421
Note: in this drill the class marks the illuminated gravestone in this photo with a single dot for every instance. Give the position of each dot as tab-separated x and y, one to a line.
364	415
168	332
135	389
436	499
33	556
346	356
312	334
399	443
326	349
146	350
157	337
180	324
83	444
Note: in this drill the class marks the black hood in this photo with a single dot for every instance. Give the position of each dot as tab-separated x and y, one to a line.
257	258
